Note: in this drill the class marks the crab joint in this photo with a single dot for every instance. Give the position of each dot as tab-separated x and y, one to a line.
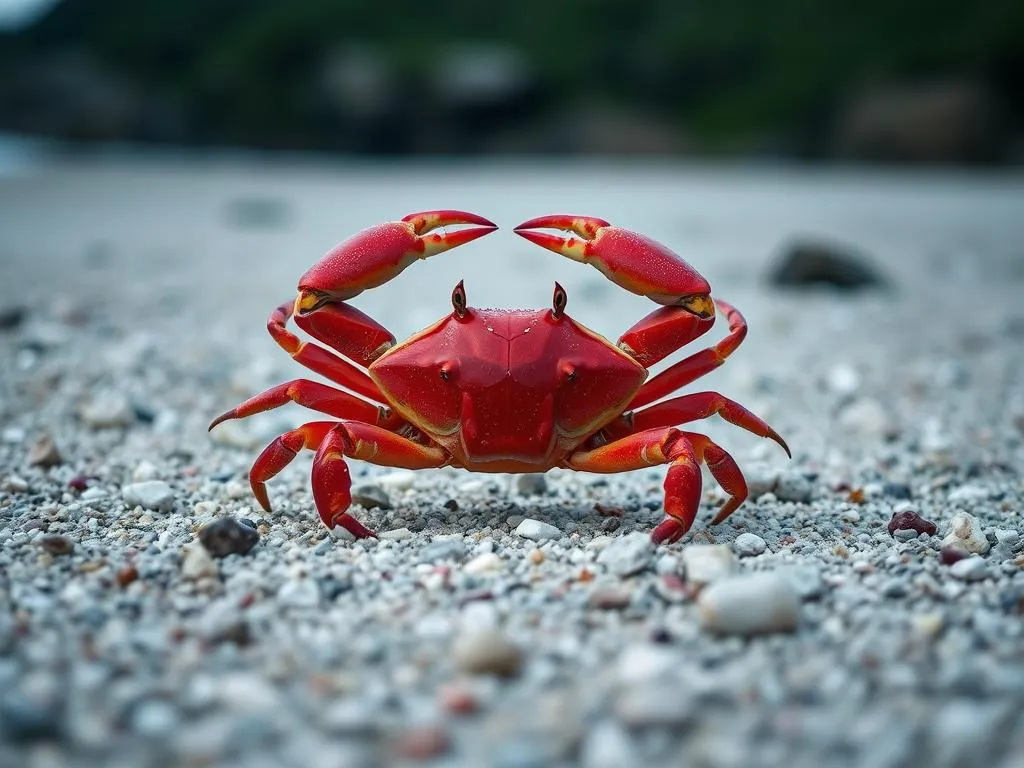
700	304
309	299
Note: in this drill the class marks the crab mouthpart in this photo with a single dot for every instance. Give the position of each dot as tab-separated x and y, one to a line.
699	304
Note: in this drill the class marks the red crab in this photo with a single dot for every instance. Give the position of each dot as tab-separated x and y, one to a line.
495	390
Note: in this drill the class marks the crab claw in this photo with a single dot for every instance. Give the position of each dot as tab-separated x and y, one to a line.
376	255
630	260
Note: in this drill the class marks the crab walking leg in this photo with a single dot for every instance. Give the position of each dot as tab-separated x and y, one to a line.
310	394
366	442
702	405
696	365
279	454
661	333
683	452
318	359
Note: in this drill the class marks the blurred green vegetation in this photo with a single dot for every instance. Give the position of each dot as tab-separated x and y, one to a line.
730	73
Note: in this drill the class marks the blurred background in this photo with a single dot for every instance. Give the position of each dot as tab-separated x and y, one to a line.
914	81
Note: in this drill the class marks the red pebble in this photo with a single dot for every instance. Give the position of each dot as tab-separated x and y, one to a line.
422	744
950	555
910	520
81	482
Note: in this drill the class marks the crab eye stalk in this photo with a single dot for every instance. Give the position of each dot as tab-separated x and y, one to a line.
447	370
459	301
558	301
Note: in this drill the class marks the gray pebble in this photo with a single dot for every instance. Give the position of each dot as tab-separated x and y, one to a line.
794	487
535	530
299	593
708	563
532	484
151	494
749	544
972	568
443	549
487	653
627	555
370	496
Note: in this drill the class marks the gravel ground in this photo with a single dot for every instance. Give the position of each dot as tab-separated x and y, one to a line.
153	615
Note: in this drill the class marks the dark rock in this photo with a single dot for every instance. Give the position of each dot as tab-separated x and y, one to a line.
804	262
370	496
24	721
12	317
81	482
910	520
228	536
57	544
950	555
897	490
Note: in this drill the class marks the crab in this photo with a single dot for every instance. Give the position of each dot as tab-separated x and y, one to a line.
496	390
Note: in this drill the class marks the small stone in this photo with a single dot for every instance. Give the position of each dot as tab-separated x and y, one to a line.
537	556
610	599
443	549
299	593
972	568
15	484
627	555
488	562
816	261
532	485
865	417
396	534
11	317
952	554
126	576
905	534
968	494
762	478
487	653
44	453
227	536
145	470
108	411
398	481
56	544
751	604
535	530
850	516
804	579
896	490
895	587
795	488
708	563
909	520
843	380
749	545
965	533
155	719
424	743
659	704
458	699
197	563
370	496
152	494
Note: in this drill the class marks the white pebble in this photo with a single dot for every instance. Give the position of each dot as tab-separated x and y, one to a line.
969	569
749	544
151	494
197	563
145	470
843	379
708	563
299	593
488	562
751	604
110	410
396	534
535	530
965	533
627	554
397	481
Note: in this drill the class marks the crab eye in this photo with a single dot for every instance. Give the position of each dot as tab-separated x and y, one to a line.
568	371
446	370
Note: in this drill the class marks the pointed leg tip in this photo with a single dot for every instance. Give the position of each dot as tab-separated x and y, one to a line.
668	531
221	419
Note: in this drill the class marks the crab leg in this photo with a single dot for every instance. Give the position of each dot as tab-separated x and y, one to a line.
310	394
628	259
683	452
317	358
331	480
279	454
696	365
702	405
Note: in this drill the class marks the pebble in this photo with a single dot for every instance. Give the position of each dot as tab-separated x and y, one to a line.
228	536
370	496
749	545
865	417
661	704
750	604
151	494
805	579
968	493
708	563
627	555
196	563
487	652
972	568
144	470
965	533
443	549
843	379
535	530
44	453
424	743
488	562
396	534
398	481
56	544
107	411
909	520
299	593
532	484
794	487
